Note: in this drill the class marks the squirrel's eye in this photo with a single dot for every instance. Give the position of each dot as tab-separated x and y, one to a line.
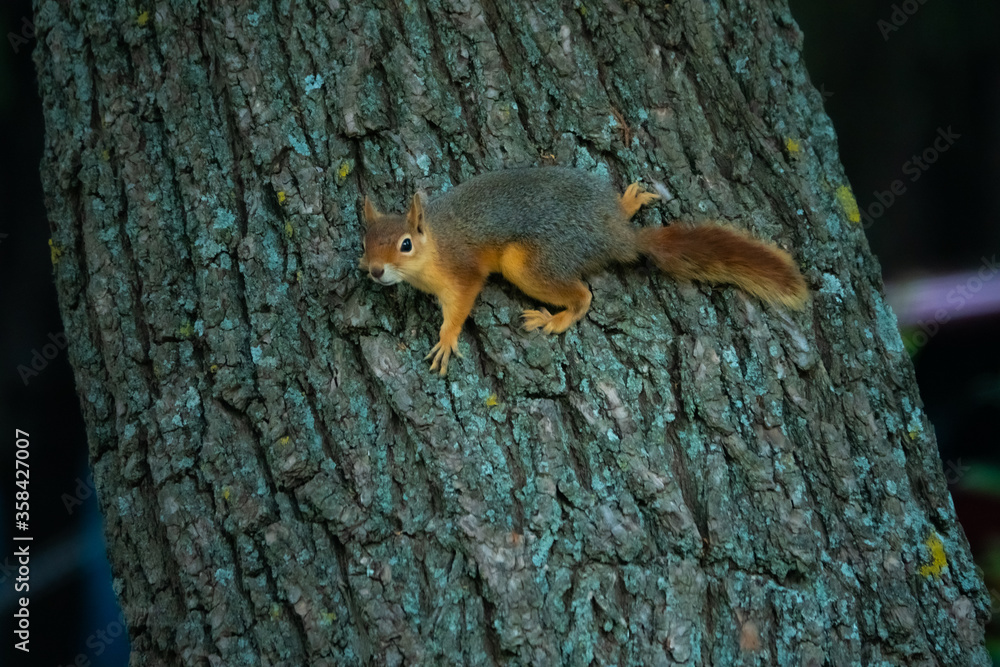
406	246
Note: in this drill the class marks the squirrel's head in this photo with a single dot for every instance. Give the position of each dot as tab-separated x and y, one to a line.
395	245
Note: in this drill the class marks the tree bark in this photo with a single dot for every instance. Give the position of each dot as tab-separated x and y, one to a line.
685	477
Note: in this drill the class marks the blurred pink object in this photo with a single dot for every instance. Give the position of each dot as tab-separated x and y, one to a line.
944	298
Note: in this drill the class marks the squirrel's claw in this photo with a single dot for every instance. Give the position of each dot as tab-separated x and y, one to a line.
635	198
536	319
442	353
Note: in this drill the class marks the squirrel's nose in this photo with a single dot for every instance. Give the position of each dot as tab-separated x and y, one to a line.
376	272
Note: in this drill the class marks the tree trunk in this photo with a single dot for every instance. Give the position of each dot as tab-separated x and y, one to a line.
686	477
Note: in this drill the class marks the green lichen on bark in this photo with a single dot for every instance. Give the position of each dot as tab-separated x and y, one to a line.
685	477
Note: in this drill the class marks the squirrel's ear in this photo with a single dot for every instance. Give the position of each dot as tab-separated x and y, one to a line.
371	214
415	216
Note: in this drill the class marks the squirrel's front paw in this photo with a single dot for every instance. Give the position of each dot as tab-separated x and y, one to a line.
442	352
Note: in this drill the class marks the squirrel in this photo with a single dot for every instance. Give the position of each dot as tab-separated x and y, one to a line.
544	229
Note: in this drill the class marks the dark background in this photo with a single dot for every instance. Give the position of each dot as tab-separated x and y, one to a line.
890	87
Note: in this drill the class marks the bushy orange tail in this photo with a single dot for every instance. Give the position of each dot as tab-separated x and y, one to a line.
718	254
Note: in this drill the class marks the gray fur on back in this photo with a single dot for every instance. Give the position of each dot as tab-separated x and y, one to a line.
571	217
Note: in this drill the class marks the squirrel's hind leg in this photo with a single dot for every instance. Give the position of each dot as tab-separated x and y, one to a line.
519	265
574	295
634	199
